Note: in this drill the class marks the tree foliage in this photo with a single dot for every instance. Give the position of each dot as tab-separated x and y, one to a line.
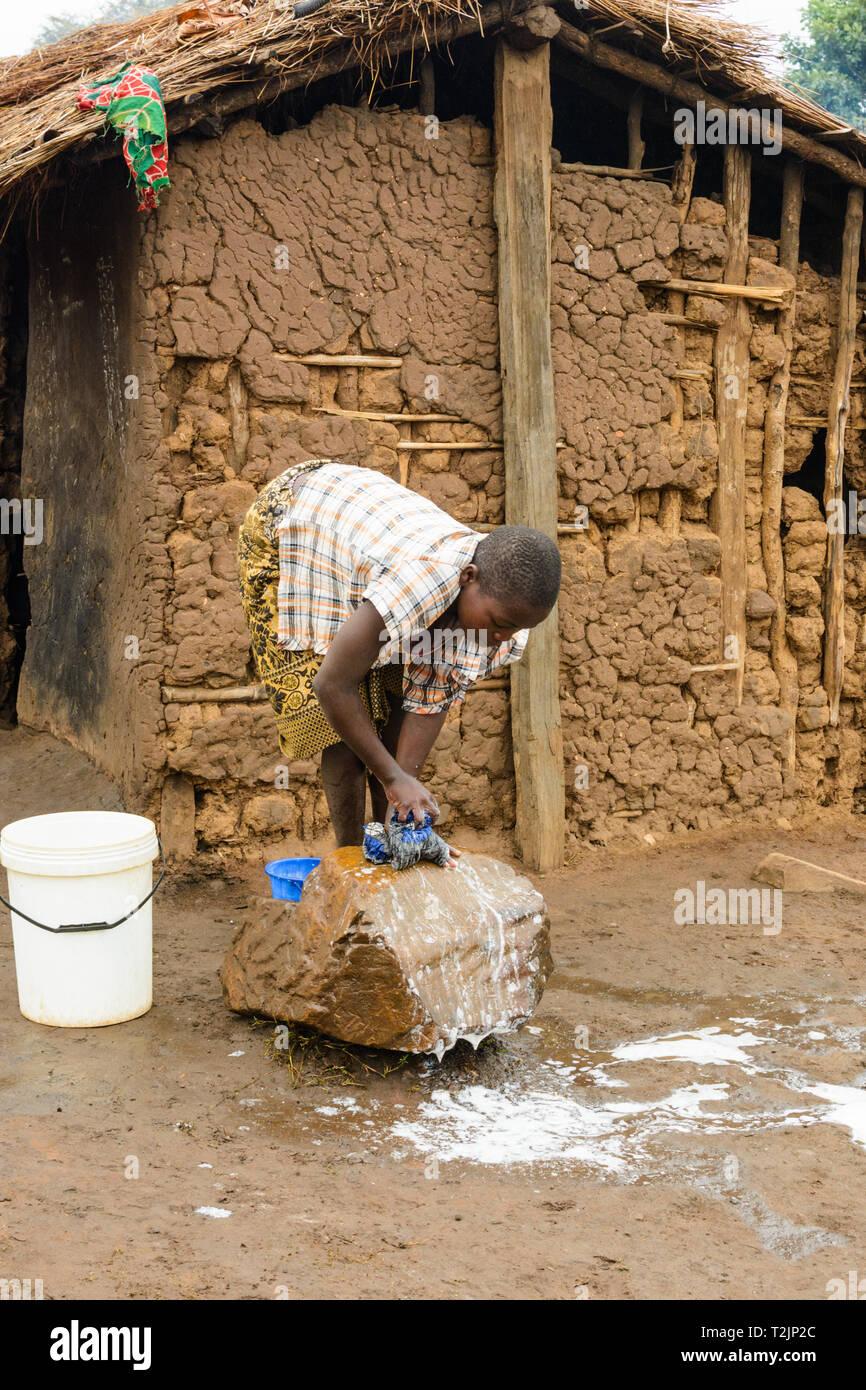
830	61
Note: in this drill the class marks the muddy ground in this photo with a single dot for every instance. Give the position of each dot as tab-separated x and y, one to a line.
684	1118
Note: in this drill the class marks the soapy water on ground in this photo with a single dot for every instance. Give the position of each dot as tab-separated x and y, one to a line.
600	1111
551	1125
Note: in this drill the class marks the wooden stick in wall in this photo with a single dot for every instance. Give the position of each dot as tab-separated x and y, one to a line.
840	402
636	145
396	416
680	321
612	171
671	501
783	659
343	359
522	124
769	294
455	445
222	694
728	510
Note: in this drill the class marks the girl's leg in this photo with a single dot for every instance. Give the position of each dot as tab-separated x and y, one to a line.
345	792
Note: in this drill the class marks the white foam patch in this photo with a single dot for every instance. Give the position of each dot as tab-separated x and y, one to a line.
847	1108
215	1212
705	1047
339	1104
488	1127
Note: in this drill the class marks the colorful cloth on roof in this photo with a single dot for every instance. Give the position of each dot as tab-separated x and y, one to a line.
133	105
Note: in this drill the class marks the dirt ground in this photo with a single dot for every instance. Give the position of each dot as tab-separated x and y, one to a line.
684	1118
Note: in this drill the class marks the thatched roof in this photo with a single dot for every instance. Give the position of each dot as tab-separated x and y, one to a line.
262	48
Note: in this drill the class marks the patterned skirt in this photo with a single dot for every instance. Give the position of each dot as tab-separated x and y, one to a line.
288	676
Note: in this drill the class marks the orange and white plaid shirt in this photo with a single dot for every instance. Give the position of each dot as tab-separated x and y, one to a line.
349	534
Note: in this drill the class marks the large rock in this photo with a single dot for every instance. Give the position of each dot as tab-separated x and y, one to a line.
409	960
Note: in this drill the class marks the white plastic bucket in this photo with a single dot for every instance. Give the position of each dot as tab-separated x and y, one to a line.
74	868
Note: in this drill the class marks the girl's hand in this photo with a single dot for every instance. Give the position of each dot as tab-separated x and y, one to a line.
407	794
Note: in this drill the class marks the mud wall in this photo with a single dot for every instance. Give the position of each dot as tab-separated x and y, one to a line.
353	234
829	760
651	742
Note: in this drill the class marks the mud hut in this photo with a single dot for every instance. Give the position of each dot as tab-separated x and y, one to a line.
586	267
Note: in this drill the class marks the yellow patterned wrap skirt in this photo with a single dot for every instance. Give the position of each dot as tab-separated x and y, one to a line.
288	676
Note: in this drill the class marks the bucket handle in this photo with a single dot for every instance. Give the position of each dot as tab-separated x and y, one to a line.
91	926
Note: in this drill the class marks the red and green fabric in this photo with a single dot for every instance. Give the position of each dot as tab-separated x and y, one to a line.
133	105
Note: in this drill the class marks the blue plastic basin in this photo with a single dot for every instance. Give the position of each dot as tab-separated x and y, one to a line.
287	877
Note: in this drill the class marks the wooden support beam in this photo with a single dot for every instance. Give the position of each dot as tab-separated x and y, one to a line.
636	144
426	88
670	84
521	203
783	659
840	404
728	510
684	180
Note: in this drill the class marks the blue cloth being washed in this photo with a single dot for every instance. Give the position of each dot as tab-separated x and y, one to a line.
404	843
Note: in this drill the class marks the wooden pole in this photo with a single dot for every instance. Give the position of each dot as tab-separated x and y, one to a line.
426	88
671	501
784	661
522	136
684	180
662	80
728	511
636	145
840	403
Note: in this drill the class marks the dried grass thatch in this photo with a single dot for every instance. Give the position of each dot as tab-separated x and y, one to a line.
269	49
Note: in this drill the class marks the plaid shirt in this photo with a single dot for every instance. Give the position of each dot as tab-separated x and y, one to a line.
350	534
